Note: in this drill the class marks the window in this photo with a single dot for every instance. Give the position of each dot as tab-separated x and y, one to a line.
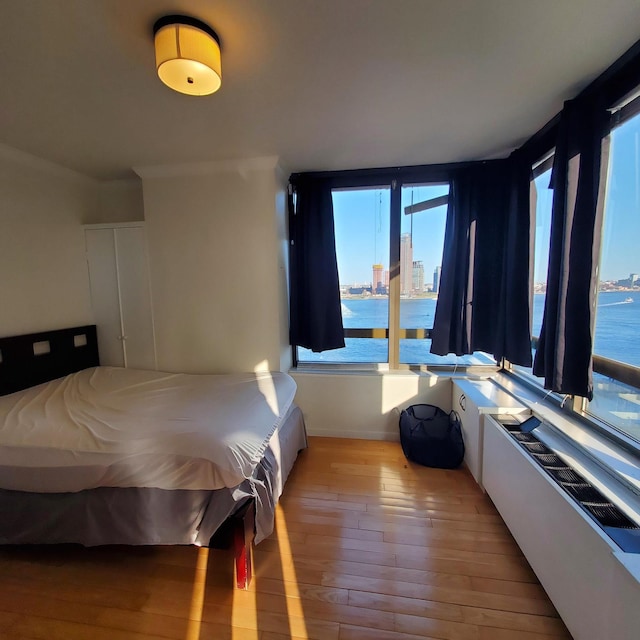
544	198
616	349
541	240
361	220
364	237
617	328
422	226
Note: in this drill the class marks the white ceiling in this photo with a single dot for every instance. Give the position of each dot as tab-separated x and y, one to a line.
323	84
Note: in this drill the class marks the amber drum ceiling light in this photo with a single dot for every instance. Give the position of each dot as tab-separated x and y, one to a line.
187	55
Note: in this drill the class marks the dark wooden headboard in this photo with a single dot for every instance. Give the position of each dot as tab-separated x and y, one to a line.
34	358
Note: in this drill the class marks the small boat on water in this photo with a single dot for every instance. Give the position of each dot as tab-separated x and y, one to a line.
627	300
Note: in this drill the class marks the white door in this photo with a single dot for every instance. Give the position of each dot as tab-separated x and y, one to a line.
135	298
120	296
105	300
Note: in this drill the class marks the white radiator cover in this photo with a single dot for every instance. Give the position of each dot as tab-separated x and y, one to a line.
471	400
588	578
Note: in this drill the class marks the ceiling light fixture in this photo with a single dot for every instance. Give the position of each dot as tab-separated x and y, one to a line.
187	55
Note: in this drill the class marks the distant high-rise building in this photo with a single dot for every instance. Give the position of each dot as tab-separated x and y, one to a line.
632	281
418	276
377	284
436	279
406	264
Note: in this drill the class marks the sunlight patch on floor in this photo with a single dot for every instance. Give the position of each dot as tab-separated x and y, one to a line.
291	591
244	616
197	595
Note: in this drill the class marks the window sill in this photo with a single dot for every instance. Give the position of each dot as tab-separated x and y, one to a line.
476	371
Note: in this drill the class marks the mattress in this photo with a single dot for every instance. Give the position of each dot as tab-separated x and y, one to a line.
141	516
114	427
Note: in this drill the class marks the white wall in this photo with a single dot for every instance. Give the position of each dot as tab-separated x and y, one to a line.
43	274
365	405
216	262
117	201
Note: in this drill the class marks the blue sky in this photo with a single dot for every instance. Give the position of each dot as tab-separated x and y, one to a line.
362	220
620	254
362	230
621	238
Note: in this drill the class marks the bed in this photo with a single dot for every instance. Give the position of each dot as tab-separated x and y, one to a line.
104	455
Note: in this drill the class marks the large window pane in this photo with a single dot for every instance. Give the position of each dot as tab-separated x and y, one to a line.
617	329
423	221
361	220
542	239
544	198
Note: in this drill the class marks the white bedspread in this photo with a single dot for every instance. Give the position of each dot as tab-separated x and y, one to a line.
112	427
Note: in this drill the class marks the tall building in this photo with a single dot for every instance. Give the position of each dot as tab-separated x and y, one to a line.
377	283
406	264
436	279
418	276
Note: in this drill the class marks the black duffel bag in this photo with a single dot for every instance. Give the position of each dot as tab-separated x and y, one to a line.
431	437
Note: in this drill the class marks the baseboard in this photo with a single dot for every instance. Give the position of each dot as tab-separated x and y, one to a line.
357	434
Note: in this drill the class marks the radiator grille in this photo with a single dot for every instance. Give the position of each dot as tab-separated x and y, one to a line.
600	508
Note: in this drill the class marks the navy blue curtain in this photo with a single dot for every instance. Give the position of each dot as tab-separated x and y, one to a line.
483	301
564	353
513	331
452	322
316	316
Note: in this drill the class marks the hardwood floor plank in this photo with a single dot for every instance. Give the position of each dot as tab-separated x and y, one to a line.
333	530
301	589
442	610
444	629
478	564
331	552
508	587
293	502
28	604
7	620
268	635
36	628
78	593
446	595
491	633
350	632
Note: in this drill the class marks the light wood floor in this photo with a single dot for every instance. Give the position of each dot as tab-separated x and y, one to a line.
367	547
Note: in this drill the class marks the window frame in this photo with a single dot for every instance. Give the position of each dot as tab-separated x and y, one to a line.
394	179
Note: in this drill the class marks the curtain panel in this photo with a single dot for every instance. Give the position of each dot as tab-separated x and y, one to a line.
316	315
483	303
513	332
564	354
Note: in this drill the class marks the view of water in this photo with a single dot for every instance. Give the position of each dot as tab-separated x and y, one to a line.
617	330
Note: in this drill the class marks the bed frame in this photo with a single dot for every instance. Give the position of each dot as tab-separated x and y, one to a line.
31	359
34	358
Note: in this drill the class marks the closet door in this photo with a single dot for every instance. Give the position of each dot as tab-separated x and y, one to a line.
120	296
105	300
135	298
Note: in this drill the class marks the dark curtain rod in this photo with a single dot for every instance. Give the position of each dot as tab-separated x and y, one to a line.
384	175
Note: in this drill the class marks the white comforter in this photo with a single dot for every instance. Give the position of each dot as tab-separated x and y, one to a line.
112	427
